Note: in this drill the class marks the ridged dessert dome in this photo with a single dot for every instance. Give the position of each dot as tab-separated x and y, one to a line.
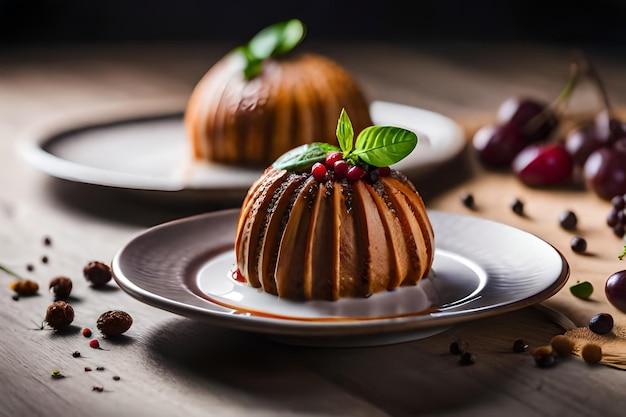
324	223
234	117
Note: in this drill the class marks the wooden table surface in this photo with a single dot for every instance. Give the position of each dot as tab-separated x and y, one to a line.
174	366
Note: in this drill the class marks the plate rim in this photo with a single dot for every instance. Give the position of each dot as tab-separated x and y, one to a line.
31	146
281	327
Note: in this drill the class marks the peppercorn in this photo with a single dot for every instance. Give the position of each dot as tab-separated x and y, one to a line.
518	207
100	368
76	354
86	332
97	388
578	244
44	259
61	287
544	356
47	241
458	347
116	378
59	315
114	322
467	358
468	200
94	344
97	273
519	346
568	220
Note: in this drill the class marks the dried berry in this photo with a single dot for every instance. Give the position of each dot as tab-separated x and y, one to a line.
601	323
116	378
467	358
76	354
97	388
100	368
114	322
562	345
56	374
568	220
61	287
519	346
458	347
30	267
578	244
86	332
87	369
518	207
591	353
94	344
24	287
44	259
59	315
544	356
47	241
97	273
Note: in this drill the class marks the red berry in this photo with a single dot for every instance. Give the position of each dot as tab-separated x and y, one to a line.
384	171
332	157
318	171
543	165
341	169
93	343
355	173
86	332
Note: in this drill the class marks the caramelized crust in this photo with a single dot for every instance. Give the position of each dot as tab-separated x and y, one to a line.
304	240
295	100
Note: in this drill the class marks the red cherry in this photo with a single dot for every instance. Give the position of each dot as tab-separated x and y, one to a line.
384	171
543	165
532	116
332	157
355	173
318	170
605	170
341	169
498	144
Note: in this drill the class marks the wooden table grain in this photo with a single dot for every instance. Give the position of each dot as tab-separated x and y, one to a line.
173	366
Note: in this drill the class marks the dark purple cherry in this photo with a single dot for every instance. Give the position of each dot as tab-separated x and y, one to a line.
605	170
498	144
581	141
543	165
534	117
615	290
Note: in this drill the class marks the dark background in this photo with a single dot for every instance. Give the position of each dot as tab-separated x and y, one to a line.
599	22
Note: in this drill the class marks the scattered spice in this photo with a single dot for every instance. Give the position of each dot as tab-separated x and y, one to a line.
100	368
116	378
468	200
582	290
76	354
568	220
97	388
44	259
59	315
97	273
56	374
519	345
518	207
458	347
87	369
24	287
467	358
61	287
544	356
591	353
30	267
86	332
114	322
578	244
562	345
47	241
94	344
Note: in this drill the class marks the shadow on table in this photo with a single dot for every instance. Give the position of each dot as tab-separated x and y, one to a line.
406	379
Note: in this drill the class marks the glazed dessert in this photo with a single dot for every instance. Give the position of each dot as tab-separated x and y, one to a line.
262	99
326	222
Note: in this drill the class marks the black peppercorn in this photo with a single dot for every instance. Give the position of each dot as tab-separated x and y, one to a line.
519	346
468	200
458	347
578	244
518	207
568	220
467	358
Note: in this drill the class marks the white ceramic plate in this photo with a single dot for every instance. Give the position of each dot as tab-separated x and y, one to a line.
149	150
481	268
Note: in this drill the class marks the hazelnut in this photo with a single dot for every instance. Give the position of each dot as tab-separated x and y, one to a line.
59	315
61	287
114	323
97	273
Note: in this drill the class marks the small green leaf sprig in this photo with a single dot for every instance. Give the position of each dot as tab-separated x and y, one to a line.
274	40
375	146
622	255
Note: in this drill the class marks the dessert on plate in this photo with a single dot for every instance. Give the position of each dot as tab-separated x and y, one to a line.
326	222
263	99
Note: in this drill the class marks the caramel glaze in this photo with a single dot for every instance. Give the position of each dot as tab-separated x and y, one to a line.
305	240
295	100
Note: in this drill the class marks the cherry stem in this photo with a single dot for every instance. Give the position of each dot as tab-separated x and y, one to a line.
592	72
8	271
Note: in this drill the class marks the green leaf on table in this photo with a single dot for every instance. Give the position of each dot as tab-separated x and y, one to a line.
620	257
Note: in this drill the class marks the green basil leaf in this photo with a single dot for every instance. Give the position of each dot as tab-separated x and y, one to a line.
384	145
274	40
304	156
345	132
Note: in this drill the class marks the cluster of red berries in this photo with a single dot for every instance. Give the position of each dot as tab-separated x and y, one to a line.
334	162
